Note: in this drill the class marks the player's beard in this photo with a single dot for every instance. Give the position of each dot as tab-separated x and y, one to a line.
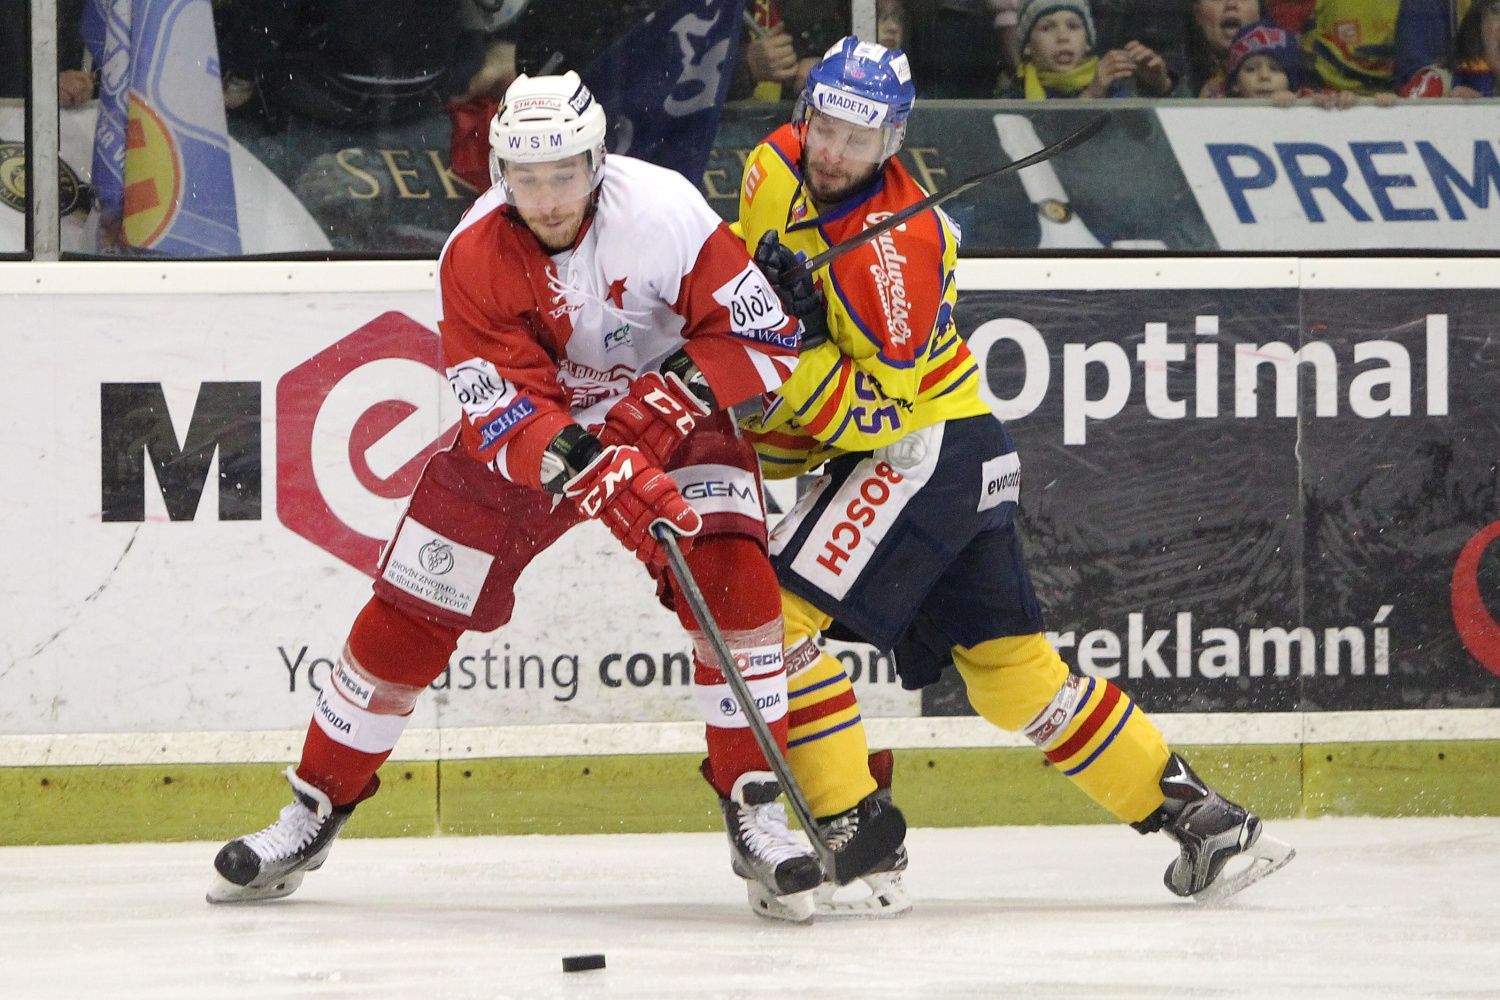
838	188
557	229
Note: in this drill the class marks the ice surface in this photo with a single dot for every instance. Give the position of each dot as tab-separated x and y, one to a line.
1370	908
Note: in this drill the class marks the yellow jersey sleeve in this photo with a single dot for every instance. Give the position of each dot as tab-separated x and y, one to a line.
894	362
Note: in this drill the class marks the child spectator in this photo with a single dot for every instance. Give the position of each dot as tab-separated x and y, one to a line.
1475	64
1211	30
1265	62
1057	44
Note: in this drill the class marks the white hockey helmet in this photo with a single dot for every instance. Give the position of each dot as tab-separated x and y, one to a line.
546	118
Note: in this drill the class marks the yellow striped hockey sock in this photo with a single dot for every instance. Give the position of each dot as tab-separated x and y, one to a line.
826	744
1086	726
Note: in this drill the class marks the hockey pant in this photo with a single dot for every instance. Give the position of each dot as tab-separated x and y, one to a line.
482	531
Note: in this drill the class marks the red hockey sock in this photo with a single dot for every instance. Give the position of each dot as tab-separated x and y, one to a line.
391	657
740	588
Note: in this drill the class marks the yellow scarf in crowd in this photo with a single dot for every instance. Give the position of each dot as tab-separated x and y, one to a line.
1068	82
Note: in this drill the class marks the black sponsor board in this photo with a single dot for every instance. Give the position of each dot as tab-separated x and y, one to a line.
1392	504
1248	533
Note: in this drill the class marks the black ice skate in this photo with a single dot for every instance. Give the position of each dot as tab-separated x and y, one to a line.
271	864
872	825
780	872
1212	832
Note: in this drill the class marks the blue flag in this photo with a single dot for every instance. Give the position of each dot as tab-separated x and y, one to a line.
662	84
161	173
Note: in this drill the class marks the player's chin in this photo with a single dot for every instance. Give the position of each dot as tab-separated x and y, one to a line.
555	236
831	191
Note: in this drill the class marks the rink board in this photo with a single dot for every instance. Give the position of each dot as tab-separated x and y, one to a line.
663	793
215	452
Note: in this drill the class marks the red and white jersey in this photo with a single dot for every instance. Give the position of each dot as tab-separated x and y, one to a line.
535	341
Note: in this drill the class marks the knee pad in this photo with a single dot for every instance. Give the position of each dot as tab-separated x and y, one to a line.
389	660
400	646
803	620
740	589
737	582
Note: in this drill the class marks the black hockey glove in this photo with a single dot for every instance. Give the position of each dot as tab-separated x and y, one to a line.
794	287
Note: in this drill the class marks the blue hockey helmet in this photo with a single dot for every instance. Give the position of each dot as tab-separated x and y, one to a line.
864	84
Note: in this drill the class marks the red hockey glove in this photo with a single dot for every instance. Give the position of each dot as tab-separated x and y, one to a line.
629	494
657	414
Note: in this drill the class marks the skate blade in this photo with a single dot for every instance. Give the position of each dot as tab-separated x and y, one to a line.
884	899
1266	855
793	908
225	891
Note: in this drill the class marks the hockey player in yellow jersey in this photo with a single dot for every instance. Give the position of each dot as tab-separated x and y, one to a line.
907	540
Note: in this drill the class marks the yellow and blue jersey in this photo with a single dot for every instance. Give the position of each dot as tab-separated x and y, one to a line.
894	362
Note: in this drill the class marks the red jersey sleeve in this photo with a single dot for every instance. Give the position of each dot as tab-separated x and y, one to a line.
736	331
504	378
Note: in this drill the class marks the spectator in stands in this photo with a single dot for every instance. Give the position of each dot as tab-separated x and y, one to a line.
1007	16
890	23
1475	64
787	40
1426	32
1353	44
75	85
1265	63
1295	16
1057	49
955	47
486	57
524	36
1158	25
1211	30
348	63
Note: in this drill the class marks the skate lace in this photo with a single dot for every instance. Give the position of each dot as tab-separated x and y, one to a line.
766	835
838	831
293	830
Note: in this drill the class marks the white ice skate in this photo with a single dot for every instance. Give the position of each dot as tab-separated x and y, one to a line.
780	872
271	863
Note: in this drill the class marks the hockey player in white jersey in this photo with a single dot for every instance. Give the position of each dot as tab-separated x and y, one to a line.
597	320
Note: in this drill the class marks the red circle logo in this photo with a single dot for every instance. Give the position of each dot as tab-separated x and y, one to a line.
1471	616
355	426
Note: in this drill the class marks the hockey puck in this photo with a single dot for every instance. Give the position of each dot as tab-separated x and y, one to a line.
582	963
